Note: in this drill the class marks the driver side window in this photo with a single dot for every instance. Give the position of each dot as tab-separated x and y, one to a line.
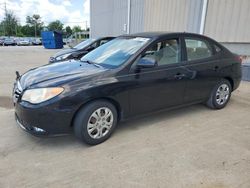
164	52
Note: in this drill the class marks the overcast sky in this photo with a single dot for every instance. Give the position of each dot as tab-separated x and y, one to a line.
70	12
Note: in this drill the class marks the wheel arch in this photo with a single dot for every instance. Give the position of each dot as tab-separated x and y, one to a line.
108	99
231	81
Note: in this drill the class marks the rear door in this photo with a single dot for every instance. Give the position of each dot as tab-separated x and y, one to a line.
200	59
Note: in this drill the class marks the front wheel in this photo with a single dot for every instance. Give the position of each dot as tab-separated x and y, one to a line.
95	122
220	95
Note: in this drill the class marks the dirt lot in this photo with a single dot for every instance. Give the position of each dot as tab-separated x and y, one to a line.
188	147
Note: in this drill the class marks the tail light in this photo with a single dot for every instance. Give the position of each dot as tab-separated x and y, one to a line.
239	58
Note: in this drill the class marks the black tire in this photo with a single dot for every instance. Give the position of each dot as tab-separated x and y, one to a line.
212	102
82	118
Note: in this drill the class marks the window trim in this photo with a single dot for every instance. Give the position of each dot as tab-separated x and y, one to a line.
207	42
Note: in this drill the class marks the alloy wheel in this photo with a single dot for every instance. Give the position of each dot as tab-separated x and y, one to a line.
222	94
100	123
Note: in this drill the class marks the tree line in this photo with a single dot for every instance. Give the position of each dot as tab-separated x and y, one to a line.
33	27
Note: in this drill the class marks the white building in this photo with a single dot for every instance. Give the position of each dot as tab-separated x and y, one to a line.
227	21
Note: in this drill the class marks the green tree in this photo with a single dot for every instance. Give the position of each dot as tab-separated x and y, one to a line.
77	29
35	22
68	30
55	26
2	29
27	30
9	24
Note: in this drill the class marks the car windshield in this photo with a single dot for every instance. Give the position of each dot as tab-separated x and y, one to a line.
115	52
83	44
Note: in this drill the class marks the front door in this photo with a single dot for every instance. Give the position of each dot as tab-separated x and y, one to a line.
161	86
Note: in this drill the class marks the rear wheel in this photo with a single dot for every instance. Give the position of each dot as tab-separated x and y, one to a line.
220	95
95	122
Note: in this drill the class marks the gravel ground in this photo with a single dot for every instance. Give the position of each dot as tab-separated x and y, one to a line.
189	147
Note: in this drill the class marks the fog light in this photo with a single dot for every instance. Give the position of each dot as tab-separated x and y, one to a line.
38	129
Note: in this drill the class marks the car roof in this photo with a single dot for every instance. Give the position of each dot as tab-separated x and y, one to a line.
159	34
108	37
149	34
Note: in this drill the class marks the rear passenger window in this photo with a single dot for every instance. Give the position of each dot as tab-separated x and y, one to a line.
197	49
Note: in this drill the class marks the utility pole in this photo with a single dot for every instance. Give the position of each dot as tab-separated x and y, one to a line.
16	29
4	23
35	29
5	7
128	17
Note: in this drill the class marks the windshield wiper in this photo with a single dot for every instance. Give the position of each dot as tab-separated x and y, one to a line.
91	63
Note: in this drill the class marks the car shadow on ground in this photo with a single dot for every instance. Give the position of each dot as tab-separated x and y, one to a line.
122	128
161	116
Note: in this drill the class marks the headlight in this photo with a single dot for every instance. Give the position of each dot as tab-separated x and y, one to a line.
65	56
39	95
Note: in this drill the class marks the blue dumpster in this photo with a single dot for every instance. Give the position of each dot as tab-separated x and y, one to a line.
52	39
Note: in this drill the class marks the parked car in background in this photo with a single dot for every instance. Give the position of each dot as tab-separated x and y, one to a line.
9	42
31	40
2	40
23	42
79	50
36	41
129	76
65	41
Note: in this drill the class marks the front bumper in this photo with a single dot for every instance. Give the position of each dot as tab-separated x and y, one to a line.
32	130
24	44
49	120
52	60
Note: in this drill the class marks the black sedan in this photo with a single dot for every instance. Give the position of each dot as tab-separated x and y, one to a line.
79	50
129	76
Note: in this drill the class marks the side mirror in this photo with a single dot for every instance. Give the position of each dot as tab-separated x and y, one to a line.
146	62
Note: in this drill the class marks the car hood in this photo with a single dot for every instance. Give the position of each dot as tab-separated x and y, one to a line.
66	51
59	73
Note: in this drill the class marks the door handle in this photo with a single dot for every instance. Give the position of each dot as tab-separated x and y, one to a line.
179	76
